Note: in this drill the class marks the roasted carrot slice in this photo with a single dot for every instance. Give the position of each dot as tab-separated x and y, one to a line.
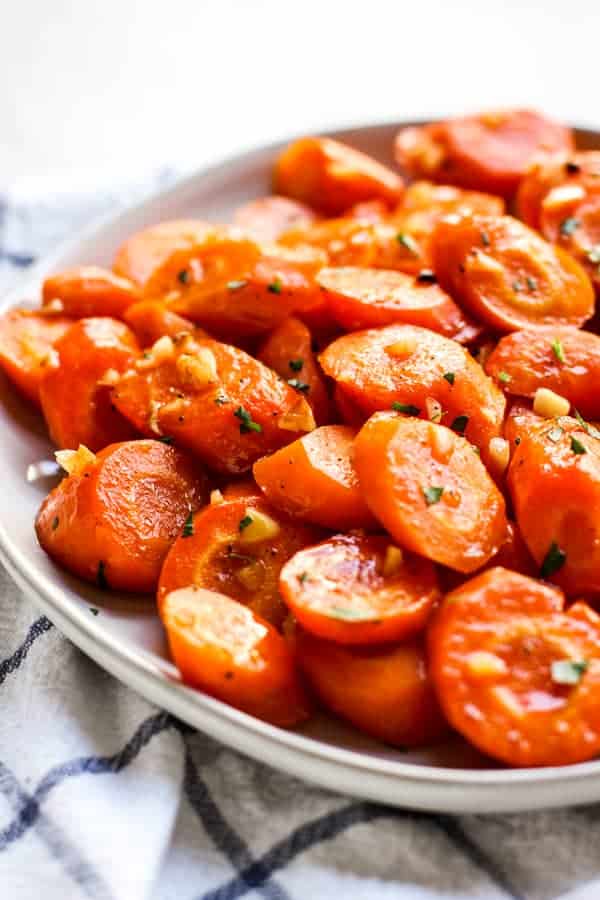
268	217
113	519
152	319
384	691
418	372
76	405
219	402
561	358
430	490
237	546
516	675
367	298
359	590
314	479
26	342
89	291
145	252
490	151
513	554
347	409
554	480
226	650
288	351
331	177
508	276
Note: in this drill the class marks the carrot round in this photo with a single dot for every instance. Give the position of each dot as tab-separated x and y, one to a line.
554	480
89	291
417	372
508	276
113	519
561	358
347	409
356	589
216	400
226	650
516	675
76	405
237	546
430	490
152	319
385	691
314	479
142	254
26	342
269	217
367	298
490	151
331	177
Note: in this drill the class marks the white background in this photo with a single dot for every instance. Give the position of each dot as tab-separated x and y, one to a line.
124	85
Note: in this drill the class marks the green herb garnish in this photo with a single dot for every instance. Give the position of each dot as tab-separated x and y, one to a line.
296	364
183	277
485	240
220	399
459	425
557	349
247	422
531	283
302	577
554	560
247	520
589	429
165	439
504	377
93	610
568	671
409	243
299	385
407	408
433	495
188	526
55	522
577	446
275	286
517	286
449	376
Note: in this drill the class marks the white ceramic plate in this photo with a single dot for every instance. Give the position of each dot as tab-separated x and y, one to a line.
126	638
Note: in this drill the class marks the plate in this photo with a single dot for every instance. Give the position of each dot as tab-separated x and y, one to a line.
126	638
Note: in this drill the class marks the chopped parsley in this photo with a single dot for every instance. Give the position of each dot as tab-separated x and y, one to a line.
275	286
407	408
408	242
427	276
302	577
101	580
577	447
449	376
568	671
572	168
236	285
247	423
568	226
532	283
433	495
188	526
220	400
485	240
504	377
554	560
55	522
459	425
247	520
93	610
183	277
299	385
517	286
296	365
165	439
589	429
557	349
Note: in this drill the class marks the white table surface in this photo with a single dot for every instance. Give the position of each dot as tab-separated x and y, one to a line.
124	85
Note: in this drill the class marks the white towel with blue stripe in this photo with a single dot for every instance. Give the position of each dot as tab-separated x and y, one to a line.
103	796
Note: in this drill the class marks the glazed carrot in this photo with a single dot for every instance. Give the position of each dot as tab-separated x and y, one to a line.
113	519
288	351
314	479
146	251
430	490
89	291
519	419
513	554
554	480
268	217
238	546
26	342
151	320
516	675
76	405
418	372
224	649
367	298
359	590
347	410
508	276
384	691
561	358
331	177
216	400
490	151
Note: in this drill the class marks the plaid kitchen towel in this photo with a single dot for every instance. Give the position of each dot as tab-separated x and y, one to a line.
103	796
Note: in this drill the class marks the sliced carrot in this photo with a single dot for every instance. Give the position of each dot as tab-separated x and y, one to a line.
76	405
359	590
331	177
288	351
513	554
314	479
561	358
384	691
224	649
347	409
89	291
146	251
26	342
113	519
219	402
416	371
268	217
430	490
490	151
516	675
368	298
554	480
508	276
151	320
